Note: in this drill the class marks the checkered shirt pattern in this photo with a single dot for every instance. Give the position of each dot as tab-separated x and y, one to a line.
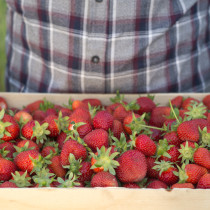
90	46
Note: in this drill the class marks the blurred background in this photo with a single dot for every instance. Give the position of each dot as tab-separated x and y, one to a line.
2	43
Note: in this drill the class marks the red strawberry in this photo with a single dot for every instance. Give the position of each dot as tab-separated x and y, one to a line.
86	172
3	104
146	105
66	112
47	150
51	111
52	125
23	116
23	160
202	157
158	115
112	107
39	115
60	139
131	185
117	129
156	134
8	184
97	138
34	106
188	130
27	130
172	138
56	166
174	153
120	113
6	168
166	174
145	145
92	101
80	115
191	173
127	120
151	173
204	182
157	184
9	147
187	102
206	101
79	104
177	101
133	166
73	147
104	179
103	120
183	185
30	144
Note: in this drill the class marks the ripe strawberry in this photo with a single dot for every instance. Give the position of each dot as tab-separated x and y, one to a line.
9	147
188	130
120	113
187	102
73	147
104	179
133	166
80	115
158	115
157	184
206	101
151	173
79	104
39	115
131	185
34	106
29	143
61	139
53	126
97	138
112	107
183	185
103	120
177	101
127	120
204	182
166	172
56	166
23	160
51	111
156	134
117	129
6	168
169	123
92	101
190	173
3	104
174	155
145	145
172	138
23	117
146	105
66	112
8	184
48	150
86	172
202	157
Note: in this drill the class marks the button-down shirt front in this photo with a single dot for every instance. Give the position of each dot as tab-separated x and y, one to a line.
100	46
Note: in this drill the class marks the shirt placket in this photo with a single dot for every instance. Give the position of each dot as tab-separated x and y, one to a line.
95	46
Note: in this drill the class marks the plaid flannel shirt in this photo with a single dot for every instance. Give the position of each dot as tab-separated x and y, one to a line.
100	46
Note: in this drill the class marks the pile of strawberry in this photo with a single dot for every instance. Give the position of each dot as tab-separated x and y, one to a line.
85	144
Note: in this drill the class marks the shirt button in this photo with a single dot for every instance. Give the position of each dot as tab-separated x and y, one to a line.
95	59
99	1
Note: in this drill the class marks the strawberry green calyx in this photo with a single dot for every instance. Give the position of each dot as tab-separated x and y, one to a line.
4	153
105	159
3	125
118	98
196	111
40	132
44	178
62	122
181	174
22	149
120	144
205	137
93	110
131	106
68	183
21	180
72	130
162	148
39	163
69	105
74	166
46	105
162	166
187	153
